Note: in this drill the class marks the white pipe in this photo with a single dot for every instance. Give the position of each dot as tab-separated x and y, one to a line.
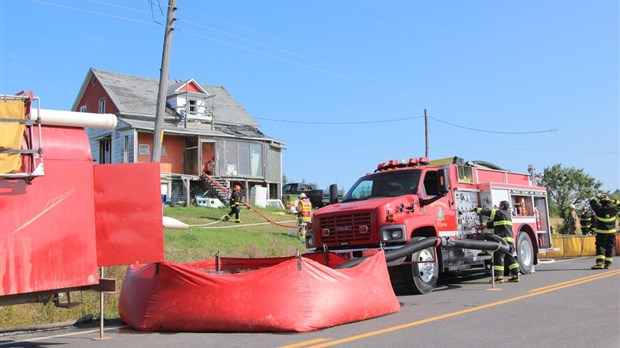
75	119
174	223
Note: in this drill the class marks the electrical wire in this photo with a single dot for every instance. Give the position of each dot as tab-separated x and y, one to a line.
406	119
351	122
290	61
92	12
495	132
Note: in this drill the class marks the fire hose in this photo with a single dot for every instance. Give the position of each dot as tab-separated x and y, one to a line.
492	242
246	204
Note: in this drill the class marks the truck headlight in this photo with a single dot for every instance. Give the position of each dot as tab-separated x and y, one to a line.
393	233
310	240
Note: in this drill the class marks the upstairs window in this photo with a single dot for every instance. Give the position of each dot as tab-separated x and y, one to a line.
102	106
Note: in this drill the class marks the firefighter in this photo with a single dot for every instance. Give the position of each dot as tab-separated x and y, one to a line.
501	222
235	201
304	214
606	214
573	220
585	218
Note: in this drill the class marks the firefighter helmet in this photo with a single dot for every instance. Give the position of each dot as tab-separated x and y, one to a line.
504	205
236	187
303	195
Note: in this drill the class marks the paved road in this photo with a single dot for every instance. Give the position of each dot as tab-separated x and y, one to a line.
564	304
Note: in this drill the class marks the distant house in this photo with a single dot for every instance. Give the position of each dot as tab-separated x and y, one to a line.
208	136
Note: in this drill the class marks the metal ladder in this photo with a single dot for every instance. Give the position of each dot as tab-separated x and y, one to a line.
31	158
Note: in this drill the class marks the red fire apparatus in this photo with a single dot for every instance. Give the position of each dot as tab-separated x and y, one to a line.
61	217
404	201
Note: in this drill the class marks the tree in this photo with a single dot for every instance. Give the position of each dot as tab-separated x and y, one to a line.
568	186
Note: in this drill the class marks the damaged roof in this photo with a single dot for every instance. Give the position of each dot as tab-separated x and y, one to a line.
137	96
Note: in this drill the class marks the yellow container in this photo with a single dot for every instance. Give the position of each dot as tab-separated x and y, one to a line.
572	246
589	248
556	242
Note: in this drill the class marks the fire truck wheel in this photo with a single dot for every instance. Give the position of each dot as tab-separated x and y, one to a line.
421	278
525	253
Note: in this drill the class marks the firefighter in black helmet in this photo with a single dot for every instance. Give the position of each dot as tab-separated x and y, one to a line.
501	223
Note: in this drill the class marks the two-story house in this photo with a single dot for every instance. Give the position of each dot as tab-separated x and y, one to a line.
207	135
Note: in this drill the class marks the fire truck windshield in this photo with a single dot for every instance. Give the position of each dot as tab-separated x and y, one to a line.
384	184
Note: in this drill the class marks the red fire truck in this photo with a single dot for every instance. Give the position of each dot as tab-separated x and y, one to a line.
61	217
403	201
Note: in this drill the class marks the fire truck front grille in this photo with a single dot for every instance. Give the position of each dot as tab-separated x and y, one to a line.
341	228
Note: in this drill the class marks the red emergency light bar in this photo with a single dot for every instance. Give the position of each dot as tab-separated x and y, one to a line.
412	162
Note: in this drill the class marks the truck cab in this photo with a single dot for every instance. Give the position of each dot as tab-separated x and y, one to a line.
291	192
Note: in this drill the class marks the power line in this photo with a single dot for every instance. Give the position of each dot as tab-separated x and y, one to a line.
301	56
303	65
405	119
90	11
495	132
331	123
348	75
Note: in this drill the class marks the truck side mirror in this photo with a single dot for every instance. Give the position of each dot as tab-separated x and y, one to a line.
333	193
442	182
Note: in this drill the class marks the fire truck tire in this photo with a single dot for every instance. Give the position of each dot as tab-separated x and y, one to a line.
525	253
421	278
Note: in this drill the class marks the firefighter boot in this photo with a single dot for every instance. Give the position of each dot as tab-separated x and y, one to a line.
514	278
607	265
498	279
597	266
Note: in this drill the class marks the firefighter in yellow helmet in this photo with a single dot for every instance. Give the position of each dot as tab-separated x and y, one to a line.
304	215
501	223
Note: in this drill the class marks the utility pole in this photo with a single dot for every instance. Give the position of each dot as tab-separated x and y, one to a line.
426	133
158	135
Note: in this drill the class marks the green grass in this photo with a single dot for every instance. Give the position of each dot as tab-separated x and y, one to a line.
207	235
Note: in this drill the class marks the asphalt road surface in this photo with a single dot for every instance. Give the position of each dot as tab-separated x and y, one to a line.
563	304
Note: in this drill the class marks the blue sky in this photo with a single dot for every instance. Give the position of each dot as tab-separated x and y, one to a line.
345	83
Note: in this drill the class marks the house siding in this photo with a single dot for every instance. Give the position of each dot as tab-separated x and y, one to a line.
117	142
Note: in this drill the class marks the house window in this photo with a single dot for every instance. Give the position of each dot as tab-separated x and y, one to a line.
243	151
256	159
102	105
192	106
83	108
144	149
230	165
105	151
244	158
